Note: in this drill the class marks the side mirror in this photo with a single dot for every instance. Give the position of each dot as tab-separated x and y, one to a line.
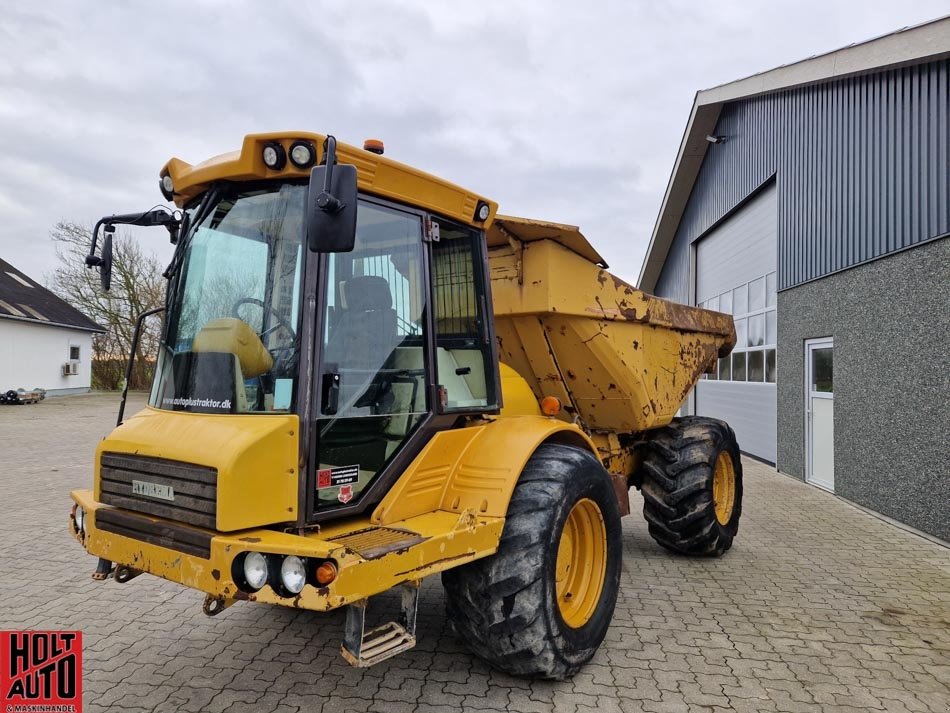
156	216
331	205
105	267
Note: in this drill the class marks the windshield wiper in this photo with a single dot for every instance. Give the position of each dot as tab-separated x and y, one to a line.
187	233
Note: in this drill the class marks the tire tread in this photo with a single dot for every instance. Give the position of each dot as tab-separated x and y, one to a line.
494	604
677	486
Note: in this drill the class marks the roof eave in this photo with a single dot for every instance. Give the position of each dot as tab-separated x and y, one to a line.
689	159
918	44
31	320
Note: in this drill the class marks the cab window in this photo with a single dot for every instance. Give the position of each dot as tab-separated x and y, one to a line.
463	354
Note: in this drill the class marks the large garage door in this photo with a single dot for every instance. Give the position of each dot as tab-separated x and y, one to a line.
735	273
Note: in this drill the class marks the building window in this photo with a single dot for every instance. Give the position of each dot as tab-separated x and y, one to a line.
73	353
752	306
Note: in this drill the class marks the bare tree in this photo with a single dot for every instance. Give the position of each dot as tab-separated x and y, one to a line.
137	286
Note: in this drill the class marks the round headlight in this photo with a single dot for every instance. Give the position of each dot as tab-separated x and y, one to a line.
167	186
302	154
293	574
482	211
274	156
255	570
80	517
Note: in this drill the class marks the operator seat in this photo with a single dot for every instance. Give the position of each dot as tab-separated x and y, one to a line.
365	333
361	344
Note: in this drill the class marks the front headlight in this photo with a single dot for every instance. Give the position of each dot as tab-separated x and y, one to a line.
80	518
255	570
293	574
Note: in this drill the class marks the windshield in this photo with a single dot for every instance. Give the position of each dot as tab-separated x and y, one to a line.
231	344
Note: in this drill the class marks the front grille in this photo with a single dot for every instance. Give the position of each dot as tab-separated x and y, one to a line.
168	489
170	535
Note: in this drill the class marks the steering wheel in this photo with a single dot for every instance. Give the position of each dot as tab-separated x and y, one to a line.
285	357
280	321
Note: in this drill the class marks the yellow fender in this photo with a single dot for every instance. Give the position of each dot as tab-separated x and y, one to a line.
473	469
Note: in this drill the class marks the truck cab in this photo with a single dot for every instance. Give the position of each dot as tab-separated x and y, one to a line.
393	343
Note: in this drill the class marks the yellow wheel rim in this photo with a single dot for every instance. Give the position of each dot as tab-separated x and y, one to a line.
724	488
581	563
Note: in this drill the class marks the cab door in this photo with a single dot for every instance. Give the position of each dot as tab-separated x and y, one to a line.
372	378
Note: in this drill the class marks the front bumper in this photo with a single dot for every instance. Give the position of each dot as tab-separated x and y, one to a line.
370	559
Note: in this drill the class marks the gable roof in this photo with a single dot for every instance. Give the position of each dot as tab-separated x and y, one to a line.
926	42
25	300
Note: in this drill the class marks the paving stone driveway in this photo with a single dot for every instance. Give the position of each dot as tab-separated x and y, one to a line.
818	606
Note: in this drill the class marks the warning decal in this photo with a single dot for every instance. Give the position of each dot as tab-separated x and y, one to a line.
346	494
341	475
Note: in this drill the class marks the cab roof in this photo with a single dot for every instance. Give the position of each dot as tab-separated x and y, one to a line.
377	175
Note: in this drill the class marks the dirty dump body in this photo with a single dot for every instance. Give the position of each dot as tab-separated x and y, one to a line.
619	360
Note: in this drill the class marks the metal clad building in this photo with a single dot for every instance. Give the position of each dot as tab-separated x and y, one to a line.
812	202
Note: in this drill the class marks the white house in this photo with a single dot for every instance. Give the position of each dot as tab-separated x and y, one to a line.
44	342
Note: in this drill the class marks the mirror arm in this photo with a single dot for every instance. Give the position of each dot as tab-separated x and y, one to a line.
326	201
329	159
92	260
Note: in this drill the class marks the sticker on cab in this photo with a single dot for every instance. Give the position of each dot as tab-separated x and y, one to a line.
341	475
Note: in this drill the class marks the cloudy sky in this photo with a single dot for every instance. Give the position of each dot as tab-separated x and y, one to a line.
565	111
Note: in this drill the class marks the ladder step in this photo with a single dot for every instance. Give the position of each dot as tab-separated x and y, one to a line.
363	648
379	644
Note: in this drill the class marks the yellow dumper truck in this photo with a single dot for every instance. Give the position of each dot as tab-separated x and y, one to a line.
367	376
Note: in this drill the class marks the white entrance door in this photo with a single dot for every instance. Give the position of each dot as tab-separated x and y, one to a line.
820	413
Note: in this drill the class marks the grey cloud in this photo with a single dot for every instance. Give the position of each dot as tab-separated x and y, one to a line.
560	111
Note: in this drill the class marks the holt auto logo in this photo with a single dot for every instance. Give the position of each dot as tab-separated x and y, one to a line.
41	671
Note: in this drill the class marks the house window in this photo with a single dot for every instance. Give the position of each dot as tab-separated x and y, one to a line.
753	308
73	353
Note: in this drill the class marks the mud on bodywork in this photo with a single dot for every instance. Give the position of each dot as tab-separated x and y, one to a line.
619	359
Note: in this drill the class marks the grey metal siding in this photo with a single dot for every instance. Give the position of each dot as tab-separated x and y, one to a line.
739	250
673	282
862	168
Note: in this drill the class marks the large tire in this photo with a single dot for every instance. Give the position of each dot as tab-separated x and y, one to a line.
680	484
506	607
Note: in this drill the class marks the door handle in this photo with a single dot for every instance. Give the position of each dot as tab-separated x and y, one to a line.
330	398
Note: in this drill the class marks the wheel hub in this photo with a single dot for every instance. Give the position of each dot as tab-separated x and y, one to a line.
581	563
724	487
